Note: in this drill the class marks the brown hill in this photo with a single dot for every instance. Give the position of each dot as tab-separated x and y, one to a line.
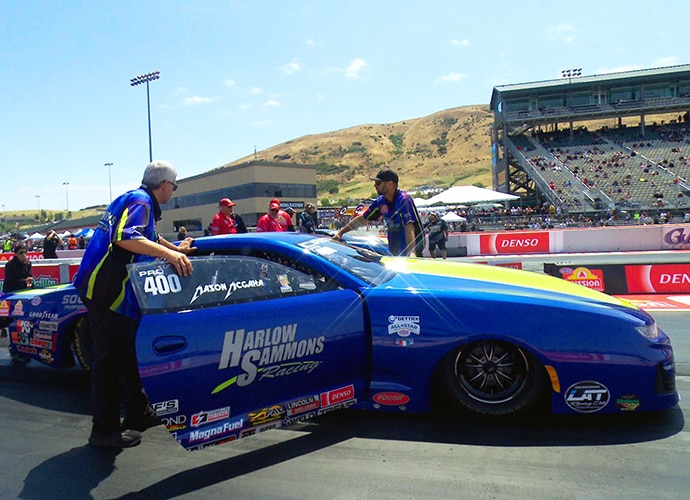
451	147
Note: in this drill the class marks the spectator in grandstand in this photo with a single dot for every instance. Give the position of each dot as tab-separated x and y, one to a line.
269	222
226	221
50	245
126	234
182	233
18	270
405	232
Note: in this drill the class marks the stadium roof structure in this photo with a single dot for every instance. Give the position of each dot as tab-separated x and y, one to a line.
573	98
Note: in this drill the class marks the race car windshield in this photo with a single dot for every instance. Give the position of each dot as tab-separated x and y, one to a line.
364	264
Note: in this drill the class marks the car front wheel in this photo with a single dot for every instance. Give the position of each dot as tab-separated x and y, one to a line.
493	378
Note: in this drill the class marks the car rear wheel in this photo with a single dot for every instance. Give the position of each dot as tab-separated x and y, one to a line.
493	378
83	346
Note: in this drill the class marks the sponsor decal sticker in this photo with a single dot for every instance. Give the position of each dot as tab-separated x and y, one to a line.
302	405
337	395
4	308
175	423
265	415
587	396
403	326
220	431
166	407
391	398
269	353
36	301
628	402
208	417
18	309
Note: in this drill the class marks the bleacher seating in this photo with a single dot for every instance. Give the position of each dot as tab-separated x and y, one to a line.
614	165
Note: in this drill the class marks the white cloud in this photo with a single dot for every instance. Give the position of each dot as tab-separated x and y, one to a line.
255	90
262	123
271	103
356	66
309	42
190	101
460	43
560	32
229	82
666	61
451	78
291	67
246	105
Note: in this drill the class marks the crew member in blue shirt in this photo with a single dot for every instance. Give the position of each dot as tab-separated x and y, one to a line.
125	234
405	234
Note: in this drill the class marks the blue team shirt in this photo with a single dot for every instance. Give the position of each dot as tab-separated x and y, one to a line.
102	276
397	214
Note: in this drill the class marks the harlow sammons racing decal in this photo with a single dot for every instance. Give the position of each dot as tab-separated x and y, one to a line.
269	353
587	396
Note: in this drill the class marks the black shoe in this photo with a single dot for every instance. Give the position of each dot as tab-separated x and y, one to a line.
125	439
142	423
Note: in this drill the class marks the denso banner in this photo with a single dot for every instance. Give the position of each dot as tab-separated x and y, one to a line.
514	242
658	278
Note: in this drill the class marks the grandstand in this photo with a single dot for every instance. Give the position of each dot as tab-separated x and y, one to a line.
594	143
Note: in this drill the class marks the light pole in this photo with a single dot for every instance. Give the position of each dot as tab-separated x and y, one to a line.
570	73
38	200
138	80
66	196
110	183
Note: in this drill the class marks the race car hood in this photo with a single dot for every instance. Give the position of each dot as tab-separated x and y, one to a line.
434	275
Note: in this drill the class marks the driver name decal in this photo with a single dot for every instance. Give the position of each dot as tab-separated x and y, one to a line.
228	288
271	353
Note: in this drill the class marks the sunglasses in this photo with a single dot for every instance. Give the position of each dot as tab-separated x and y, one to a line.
173	185
22	252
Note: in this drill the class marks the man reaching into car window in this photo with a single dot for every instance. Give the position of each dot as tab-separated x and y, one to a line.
405	234
125	234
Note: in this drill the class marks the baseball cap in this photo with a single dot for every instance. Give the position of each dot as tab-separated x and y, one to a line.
226	202
275	200
273	206
386	174
290	211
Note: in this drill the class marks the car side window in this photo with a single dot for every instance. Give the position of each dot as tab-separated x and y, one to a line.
222	280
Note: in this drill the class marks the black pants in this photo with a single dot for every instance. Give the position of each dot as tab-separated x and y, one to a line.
114	373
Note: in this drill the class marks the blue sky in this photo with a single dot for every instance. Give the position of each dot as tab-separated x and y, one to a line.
235	75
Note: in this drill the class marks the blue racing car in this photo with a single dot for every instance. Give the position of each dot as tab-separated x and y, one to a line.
274	329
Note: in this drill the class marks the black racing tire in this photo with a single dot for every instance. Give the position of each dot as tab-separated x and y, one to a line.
492	378
83	345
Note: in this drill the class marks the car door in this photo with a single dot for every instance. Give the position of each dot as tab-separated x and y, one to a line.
247	344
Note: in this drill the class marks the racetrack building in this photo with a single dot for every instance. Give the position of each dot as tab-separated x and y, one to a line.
540	154
251	185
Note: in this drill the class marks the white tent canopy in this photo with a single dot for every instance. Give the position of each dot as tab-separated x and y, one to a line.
453	217
36	236
467	195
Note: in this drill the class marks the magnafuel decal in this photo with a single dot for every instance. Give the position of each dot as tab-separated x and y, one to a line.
267	353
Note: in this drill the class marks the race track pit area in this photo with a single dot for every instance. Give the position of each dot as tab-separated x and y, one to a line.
659	302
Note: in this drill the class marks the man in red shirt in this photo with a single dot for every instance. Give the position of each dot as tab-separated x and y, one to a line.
270	220
226	221
284	216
